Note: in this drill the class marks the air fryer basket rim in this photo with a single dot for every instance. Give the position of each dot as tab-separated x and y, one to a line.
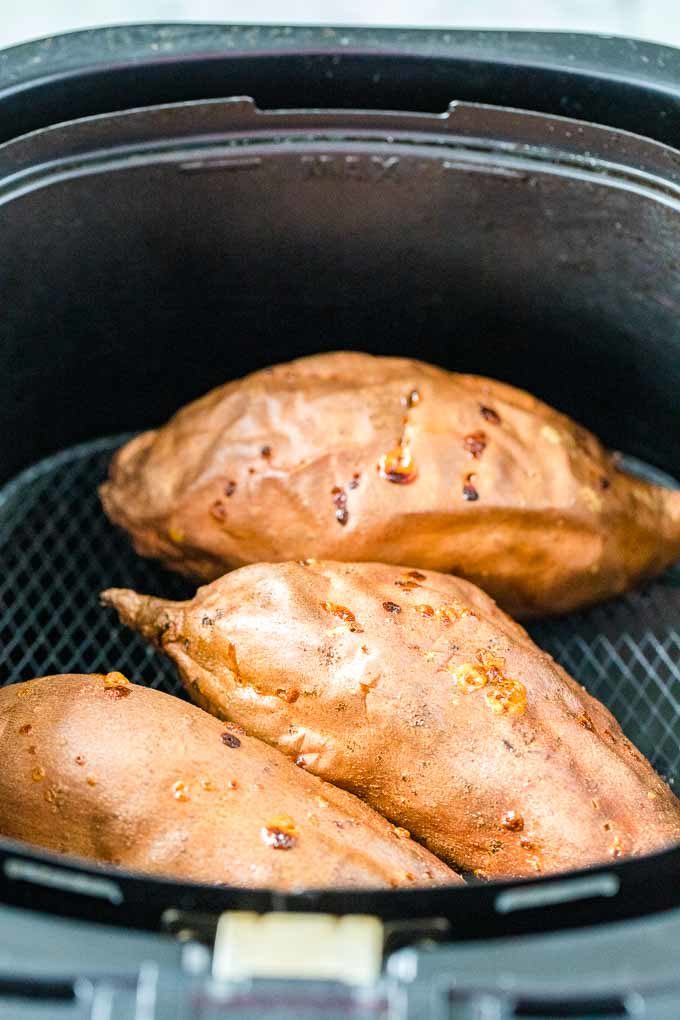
522	131
622	82
626	888
71	887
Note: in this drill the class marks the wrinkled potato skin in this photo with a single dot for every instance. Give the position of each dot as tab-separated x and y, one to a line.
374	706
247	474
107	765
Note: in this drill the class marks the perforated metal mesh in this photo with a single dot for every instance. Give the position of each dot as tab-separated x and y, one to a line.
58	551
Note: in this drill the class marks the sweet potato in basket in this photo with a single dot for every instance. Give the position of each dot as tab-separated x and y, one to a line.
413	690
352	457
97	767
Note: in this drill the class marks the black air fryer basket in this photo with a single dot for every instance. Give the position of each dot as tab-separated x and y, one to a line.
504	204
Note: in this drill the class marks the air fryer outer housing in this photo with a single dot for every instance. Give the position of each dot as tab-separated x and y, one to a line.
151	254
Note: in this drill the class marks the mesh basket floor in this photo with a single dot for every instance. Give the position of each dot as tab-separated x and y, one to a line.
58	551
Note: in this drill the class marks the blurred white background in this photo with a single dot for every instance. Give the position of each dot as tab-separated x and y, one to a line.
658	20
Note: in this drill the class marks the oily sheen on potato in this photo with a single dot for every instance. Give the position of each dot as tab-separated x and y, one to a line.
100	768
347	456
413	690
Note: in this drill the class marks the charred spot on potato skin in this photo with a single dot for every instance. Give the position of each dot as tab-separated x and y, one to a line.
398	466
469	676
452	613
489	414
469	492
391	607
280	833
230	488
507	697
412	399
354	484
288	694
207	621
408	585
512	821
503	694
218	510
117	692
474	444
79	760
266	451
26	728
604	482
230	739
416	575
342	515
343	613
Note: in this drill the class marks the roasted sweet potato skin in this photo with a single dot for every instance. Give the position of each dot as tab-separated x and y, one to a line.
413	690
351	457
100	768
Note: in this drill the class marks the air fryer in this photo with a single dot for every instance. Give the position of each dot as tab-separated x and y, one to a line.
172	220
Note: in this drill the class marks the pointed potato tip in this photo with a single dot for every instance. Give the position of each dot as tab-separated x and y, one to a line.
153	618
119	596
125	601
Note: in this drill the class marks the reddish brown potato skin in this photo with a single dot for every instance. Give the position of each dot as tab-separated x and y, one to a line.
146	782
502	489
373	704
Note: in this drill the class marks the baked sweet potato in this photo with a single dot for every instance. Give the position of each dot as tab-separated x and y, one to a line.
413	690
352	457
100	768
